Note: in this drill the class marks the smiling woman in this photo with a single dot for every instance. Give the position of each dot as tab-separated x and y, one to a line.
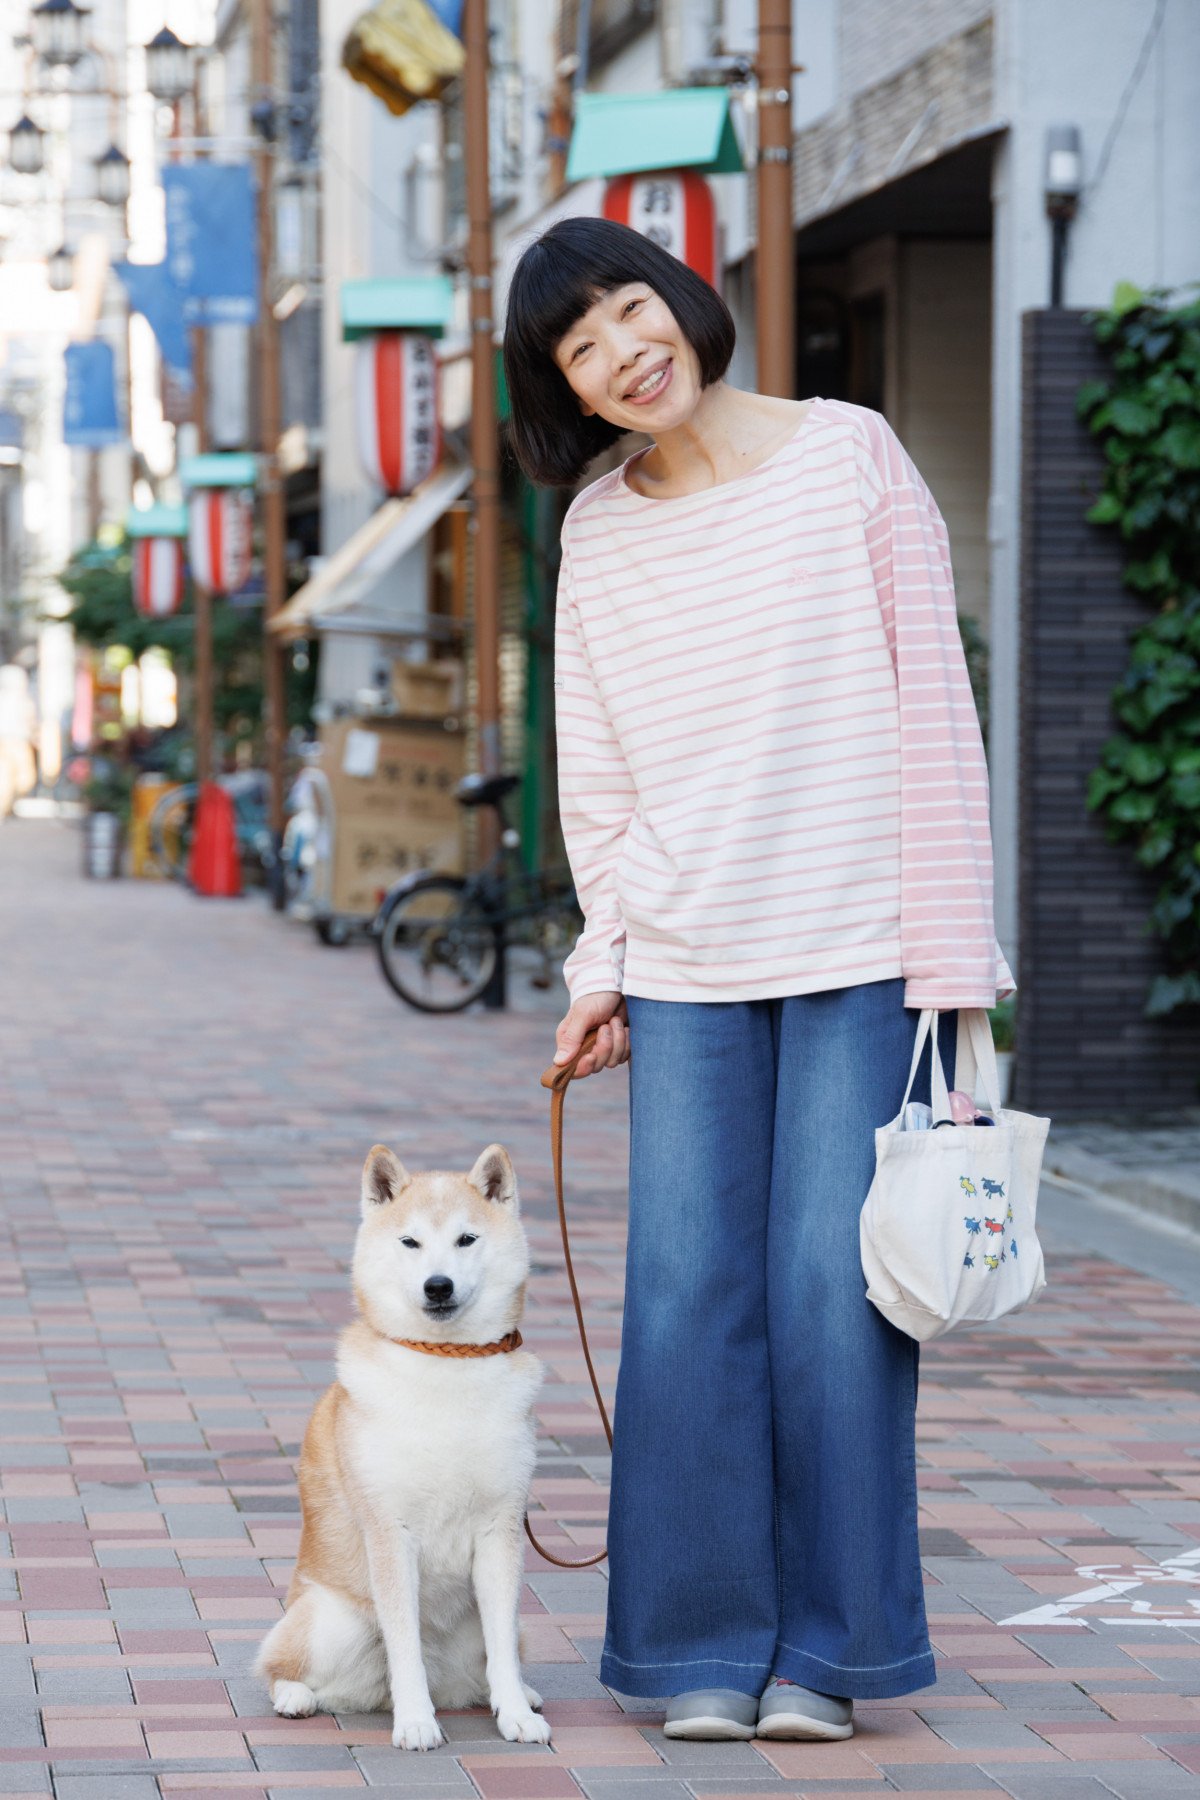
575	267
774	801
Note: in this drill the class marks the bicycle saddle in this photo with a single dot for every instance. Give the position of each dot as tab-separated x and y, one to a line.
485	790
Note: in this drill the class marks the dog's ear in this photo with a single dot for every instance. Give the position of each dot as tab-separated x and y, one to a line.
496	1178
383	1178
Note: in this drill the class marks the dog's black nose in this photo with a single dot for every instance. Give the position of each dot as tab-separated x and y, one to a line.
438	1289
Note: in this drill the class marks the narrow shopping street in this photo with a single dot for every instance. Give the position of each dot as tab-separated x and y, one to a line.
187	1091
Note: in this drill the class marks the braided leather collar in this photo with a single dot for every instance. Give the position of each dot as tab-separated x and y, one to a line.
501	1345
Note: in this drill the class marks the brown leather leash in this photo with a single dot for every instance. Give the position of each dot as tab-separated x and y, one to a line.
557	1078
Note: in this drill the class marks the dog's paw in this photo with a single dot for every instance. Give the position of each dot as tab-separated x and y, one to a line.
533	1697
293	1699
522	1727
417	1734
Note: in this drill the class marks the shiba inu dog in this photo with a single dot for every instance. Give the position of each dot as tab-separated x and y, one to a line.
415	1468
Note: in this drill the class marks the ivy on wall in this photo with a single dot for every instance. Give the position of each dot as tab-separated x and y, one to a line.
1147	785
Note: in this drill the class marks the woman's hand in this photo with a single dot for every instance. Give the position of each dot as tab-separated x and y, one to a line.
605	1010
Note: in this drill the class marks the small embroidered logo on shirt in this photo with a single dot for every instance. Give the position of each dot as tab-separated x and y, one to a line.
801	574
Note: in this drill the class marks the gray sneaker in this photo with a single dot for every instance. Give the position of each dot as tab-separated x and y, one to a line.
788	1710
712	1713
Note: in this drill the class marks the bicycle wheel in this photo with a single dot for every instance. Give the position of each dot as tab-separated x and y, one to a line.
171	825
436	951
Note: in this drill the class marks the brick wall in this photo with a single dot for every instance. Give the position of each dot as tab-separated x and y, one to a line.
878	38
851	152
1083	1042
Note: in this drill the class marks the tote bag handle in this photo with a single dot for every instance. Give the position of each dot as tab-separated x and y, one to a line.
938	1093
976	1056
975	1059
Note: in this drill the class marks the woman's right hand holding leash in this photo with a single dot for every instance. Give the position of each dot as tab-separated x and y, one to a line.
606	1013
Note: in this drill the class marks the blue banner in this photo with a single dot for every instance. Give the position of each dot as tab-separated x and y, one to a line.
450	14
152	293
90	410
212	241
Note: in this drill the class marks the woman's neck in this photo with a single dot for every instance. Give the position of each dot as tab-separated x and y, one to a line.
728	433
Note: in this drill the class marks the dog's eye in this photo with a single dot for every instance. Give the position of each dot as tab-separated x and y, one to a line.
410	1243
465	1239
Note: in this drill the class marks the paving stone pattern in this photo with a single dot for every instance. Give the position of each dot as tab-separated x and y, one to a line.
187	1090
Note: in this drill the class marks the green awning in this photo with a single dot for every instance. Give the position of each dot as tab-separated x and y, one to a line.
625	134
421	303
219	469
156	521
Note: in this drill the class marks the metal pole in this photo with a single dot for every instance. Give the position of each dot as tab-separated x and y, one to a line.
202	680
484	449
775	301
274	515
1059	223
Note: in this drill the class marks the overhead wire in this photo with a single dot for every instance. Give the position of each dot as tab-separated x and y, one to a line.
1138	70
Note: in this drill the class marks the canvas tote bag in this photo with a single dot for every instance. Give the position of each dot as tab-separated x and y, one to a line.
948	1231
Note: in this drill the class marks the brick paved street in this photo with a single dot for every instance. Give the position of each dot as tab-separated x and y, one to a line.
187	1091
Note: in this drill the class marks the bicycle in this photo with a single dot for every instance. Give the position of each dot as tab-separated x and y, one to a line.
173	821
439	937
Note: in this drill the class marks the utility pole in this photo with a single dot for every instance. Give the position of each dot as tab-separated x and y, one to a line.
202	600
484	454
775	304
484	447
270	480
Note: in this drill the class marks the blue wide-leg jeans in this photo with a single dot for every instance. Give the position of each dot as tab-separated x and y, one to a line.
764	1507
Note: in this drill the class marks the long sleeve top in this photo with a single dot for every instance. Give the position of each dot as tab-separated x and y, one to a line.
771	774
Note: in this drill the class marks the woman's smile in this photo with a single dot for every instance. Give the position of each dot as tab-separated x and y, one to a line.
659	379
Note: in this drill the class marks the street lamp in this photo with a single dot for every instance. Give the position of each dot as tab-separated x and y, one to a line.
168	66
60	270
1062	187
27	147
112	176
58	29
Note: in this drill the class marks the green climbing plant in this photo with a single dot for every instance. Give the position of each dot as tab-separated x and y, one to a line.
1146	787
99	580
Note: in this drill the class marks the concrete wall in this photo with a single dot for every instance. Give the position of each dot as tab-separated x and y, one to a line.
1070	63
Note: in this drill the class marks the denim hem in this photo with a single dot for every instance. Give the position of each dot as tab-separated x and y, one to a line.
857	1684
654	1681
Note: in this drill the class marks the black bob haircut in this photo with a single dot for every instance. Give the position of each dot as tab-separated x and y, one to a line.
559	278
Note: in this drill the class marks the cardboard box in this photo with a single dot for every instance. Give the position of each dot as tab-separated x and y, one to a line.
393	785
428	690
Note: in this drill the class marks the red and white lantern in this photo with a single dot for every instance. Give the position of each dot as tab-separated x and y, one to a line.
399	431
220	538
672	207
157	576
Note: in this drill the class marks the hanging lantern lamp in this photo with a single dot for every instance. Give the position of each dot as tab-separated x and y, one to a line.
168	66
58	29
26	147
112	176
673	208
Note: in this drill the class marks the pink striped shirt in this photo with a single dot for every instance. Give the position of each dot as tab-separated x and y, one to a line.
771	775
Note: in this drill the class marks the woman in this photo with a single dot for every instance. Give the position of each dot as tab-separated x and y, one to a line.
775	804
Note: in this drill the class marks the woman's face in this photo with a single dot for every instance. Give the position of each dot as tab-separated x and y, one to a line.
628	338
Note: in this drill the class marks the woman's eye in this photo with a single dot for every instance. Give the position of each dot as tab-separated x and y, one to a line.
630	303
464	1240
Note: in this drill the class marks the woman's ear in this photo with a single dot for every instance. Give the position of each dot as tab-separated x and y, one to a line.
589	412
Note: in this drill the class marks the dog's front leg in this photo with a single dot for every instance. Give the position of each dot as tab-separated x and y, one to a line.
496	1571
395	1589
